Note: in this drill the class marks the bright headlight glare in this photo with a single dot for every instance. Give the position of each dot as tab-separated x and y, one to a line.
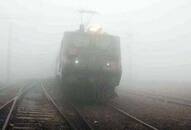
76	61
95	28
108	64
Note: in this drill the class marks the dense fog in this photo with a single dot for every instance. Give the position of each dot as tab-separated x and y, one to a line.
155	37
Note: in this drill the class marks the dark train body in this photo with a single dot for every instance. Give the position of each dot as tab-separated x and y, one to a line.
89	65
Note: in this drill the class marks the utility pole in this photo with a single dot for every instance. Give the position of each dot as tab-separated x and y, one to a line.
9	45
9	42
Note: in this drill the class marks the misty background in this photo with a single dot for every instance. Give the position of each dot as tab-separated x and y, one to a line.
155	36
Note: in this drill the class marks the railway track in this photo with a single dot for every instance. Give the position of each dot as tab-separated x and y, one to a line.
35	109
133	117
32	110
166	99
101	117
110	117
72	113
5	109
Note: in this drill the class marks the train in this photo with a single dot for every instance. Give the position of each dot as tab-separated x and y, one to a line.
89	65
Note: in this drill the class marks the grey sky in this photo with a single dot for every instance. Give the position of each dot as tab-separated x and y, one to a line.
155	35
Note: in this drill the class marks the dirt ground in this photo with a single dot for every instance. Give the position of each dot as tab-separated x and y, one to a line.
164	116
9	92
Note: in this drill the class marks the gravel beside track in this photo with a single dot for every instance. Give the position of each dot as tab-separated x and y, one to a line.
163	115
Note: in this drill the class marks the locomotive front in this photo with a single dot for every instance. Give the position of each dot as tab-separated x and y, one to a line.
90	65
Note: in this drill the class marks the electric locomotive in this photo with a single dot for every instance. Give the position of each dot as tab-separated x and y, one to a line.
89	64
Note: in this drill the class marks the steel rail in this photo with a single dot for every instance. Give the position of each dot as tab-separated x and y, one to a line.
7	103
88	126
3	107
56	106
133	117
14	100
10	113
81	115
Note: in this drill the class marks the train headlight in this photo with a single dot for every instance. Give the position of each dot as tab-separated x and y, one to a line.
108	64
95	28
76	61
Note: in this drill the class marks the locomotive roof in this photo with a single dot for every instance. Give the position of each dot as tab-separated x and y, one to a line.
67	33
